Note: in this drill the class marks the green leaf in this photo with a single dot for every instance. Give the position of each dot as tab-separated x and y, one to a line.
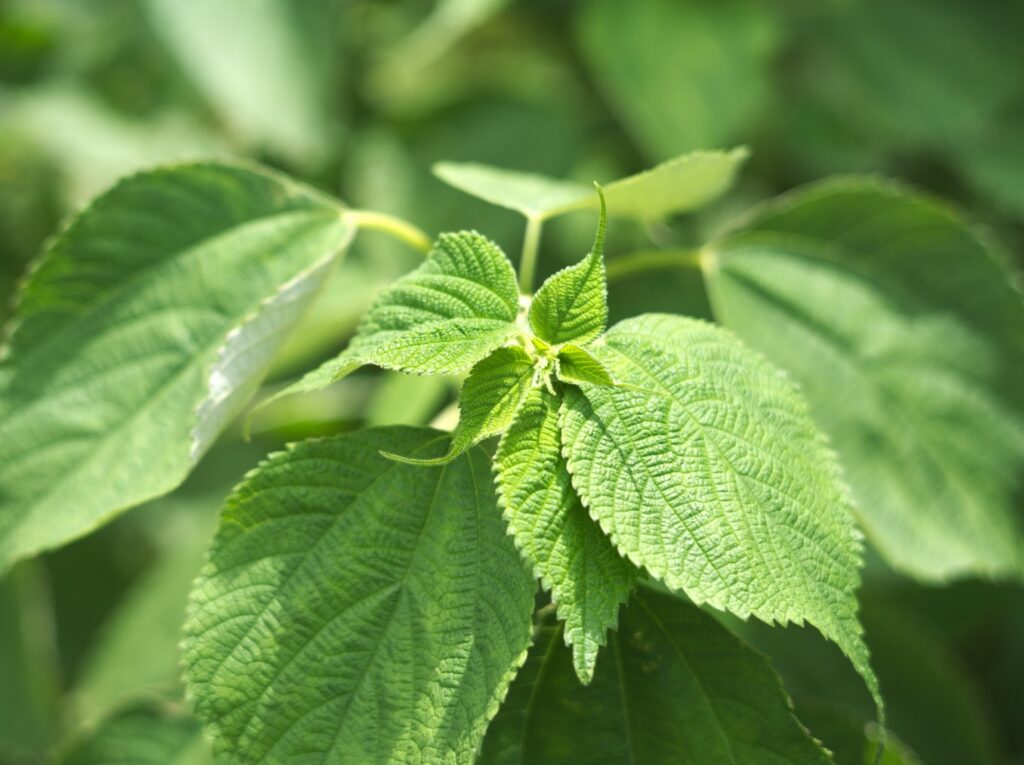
224	53
681	74
903	329
488	401
144	328
442	318
576	365
705	468
587	578
572	304
147	734
684	183
357	609
676	689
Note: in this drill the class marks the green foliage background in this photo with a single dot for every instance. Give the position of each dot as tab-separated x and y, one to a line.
360	98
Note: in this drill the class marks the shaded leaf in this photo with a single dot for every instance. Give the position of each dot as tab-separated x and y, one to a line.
142	735
576	365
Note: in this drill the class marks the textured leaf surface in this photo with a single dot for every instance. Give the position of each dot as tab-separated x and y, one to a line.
908	339
711	58
442	318
677	688
143	329
571	305
569	552
684	183
142	735
488	401
355	609
706	469
577	365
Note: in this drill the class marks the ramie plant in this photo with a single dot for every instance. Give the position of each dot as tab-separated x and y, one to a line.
371	597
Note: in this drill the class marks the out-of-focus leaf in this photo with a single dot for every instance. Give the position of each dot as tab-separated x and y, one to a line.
907	336
682	74
29	682
252	65
142	735
683	183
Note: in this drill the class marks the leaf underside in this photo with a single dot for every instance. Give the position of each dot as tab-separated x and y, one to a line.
587	578
705	468
146	325
908	339
355	609
676	688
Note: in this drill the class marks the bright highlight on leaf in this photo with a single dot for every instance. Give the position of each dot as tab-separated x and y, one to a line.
442	318
684	183
355	609
146	325
706	469
676	688
905	333
587	578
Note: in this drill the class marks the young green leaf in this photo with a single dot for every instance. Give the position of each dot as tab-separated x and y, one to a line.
488	401
587	578
907	336
146	325
355	609
681	184
572	305
442	318
705	468
576	365
143	734
676	689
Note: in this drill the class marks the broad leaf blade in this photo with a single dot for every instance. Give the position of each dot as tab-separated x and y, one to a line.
571	305
577	365
587	578
705	468
488	402
676	689
908	339
357	609
442	318
686	182
145	326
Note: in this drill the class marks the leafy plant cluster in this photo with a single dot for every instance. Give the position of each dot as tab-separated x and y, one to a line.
371	596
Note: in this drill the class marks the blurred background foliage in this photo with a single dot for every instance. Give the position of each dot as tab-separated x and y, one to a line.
361	97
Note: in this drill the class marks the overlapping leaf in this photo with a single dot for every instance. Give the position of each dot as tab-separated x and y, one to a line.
355	609
706	469
577	365
907	336
683	183
570	554
677	689
146	325
442	318
488	401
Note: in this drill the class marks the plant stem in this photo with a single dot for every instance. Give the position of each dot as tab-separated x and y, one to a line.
398	228
528	261
653	260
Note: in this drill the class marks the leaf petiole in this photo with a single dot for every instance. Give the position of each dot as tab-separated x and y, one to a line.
389	224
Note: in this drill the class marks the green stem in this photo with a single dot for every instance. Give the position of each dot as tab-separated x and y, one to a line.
528	261
653	260
398	228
